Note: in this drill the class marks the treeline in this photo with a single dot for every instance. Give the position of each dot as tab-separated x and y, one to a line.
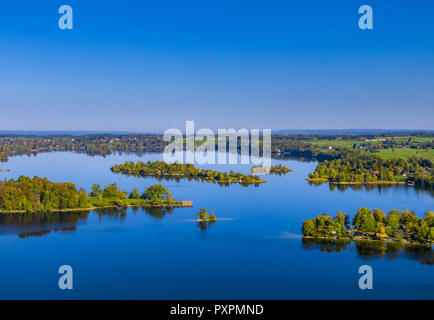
366	168
284	146
164	169
112	195
41	195
104	144
373	225
91	144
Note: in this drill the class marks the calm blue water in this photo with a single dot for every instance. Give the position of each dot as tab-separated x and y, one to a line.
254	253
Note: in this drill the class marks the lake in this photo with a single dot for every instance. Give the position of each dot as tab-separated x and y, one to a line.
254	251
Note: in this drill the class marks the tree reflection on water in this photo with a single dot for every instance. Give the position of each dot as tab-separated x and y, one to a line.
27	225
370	250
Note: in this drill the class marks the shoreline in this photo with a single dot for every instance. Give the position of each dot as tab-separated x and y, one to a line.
206	220
388	240
174	176
356	182
174	205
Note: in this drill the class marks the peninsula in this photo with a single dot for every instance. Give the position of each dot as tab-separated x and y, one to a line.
41	195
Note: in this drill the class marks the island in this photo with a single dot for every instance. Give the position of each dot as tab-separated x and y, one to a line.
204	216
41	195
370	169
277	169
398	226
161	169
205	219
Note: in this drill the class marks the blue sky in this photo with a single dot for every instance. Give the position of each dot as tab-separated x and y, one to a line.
141	65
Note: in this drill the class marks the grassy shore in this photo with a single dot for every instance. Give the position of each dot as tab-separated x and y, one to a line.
95	203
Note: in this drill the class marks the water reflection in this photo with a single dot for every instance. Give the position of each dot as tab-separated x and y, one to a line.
204	225
369	187
189	178
370	250
27	225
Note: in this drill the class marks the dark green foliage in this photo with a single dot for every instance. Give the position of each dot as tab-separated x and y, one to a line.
205	215
325	226
177	170
397	225
366	168
156	193
40	194
112	191
364	220
135	194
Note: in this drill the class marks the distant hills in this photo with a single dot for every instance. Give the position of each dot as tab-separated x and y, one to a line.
282	131
351	131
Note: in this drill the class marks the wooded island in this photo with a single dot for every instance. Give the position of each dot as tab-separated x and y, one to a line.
401	226
176	170
370	169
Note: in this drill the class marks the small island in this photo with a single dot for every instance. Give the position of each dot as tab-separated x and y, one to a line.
161	169
205	219
280	169
398	226
277	169
205	216
41	195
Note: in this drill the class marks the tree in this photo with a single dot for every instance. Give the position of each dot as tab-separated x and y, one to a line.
393	223
364	220
340	218
379	216
135	194
112	191
308	228
96	190
82	199
156	194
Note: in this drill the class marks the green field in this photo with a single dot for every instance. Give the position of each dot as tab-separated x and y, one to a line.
338	143
350	143
405	153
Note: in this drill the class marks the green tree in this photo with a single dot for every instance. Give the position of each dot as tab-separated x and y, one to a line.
96	190
156	194
135	194
308	228
364	220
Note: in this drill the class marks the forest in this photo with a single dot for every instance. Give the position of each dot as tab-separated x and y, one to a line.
41	195
366	168
398	225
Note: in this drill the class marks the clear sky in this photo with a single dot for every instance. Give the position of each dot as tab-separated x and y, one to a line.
140	65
